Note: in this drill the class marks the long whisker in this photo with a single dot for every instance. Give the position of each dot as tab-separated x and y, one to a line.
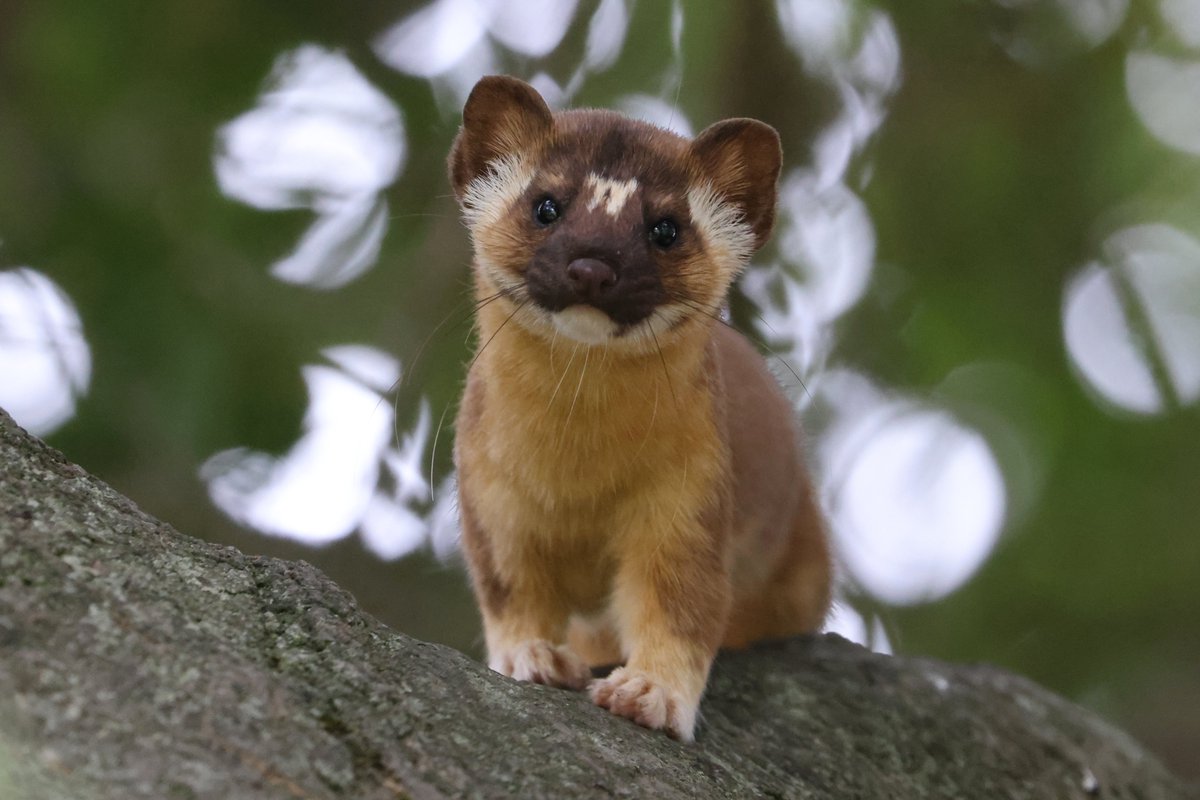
695	306
496	332
663	359
578	386
475	308
553	342
433	449
692	304
563	377
480	306
394	389
649	429
417	214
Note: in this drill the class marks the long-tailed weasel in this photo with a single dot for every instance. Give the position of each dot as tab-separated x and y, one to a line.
631	484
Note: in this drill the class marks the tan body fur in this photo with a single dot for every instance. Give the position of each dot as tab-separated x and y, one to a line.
640	499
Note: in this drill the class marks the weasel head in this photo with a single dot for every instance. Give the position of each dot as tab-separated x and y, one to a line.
604	229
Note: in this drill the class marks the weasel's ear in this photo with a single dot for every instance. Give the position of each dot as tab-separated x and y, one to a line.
742	157
502	116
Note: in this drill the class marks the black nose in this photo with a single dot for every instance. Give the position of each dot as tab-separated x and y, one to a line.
591	277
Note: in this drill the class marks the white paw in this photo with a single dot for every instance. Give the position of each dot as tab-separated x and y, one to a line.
634	694
540	661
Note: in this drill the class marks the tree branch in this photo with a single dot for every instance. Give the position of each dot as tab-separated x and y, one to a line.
136	662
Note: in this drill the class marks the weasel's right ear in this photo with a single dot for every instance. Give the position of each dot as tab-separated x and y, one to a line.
742	159
502	116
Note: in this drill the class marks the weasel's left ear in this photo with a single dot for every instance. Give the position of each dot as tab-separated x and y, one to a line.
742	158
502	116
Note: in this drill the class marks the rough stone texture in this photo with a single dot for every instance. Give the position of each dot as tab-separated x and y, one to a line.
136	662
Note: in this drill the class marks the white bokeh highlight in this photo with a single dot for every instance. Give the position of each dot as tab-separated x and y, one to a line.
433	39
819	31
826	245
916	498
453	43
45	361
857	52
1184	18
1165	93
344	473
606	35
320	137
1138	307
825	238
1095	21
1039	33
847	622
531	27
656	111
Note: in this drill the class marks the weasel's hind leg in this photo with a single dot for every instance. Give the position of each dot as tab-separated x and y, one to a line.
795	599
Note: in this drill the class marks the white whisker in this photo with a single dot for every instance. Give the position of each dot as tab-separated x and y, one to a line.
563	377
578	387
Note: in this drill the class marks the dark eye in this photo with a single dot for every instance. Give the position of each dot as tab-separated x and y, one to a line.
663	233
546	211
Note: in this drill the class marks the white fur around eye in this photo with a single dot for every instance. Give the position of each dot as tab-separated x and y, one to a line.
489	196
729	240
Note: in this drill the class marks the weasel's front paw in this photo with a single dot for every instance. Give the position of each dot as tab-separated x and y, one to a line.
634	694
540	661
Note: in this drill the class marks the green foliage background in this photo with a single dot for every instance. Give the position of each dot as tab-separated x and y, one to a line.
991	182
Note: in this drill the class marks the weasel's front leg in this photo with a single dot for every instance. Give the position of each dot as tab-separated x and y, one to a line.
672	601
524	621
525	642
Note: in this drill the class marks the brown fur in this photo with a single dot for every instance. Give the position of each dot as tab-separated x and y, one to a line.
640	498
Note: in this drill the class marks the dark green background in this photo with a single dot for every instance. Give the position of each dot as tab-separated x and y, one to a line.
991	183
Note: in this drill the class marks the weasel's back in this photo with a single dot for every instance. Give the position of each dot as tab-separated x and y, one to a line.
778	528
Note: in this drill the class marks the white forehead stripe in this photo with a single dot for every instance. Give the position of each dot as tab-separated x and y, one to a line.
612	194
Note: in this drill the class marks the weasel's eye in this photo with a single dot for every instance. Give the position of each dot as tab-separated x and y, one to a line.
546	211
663	233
